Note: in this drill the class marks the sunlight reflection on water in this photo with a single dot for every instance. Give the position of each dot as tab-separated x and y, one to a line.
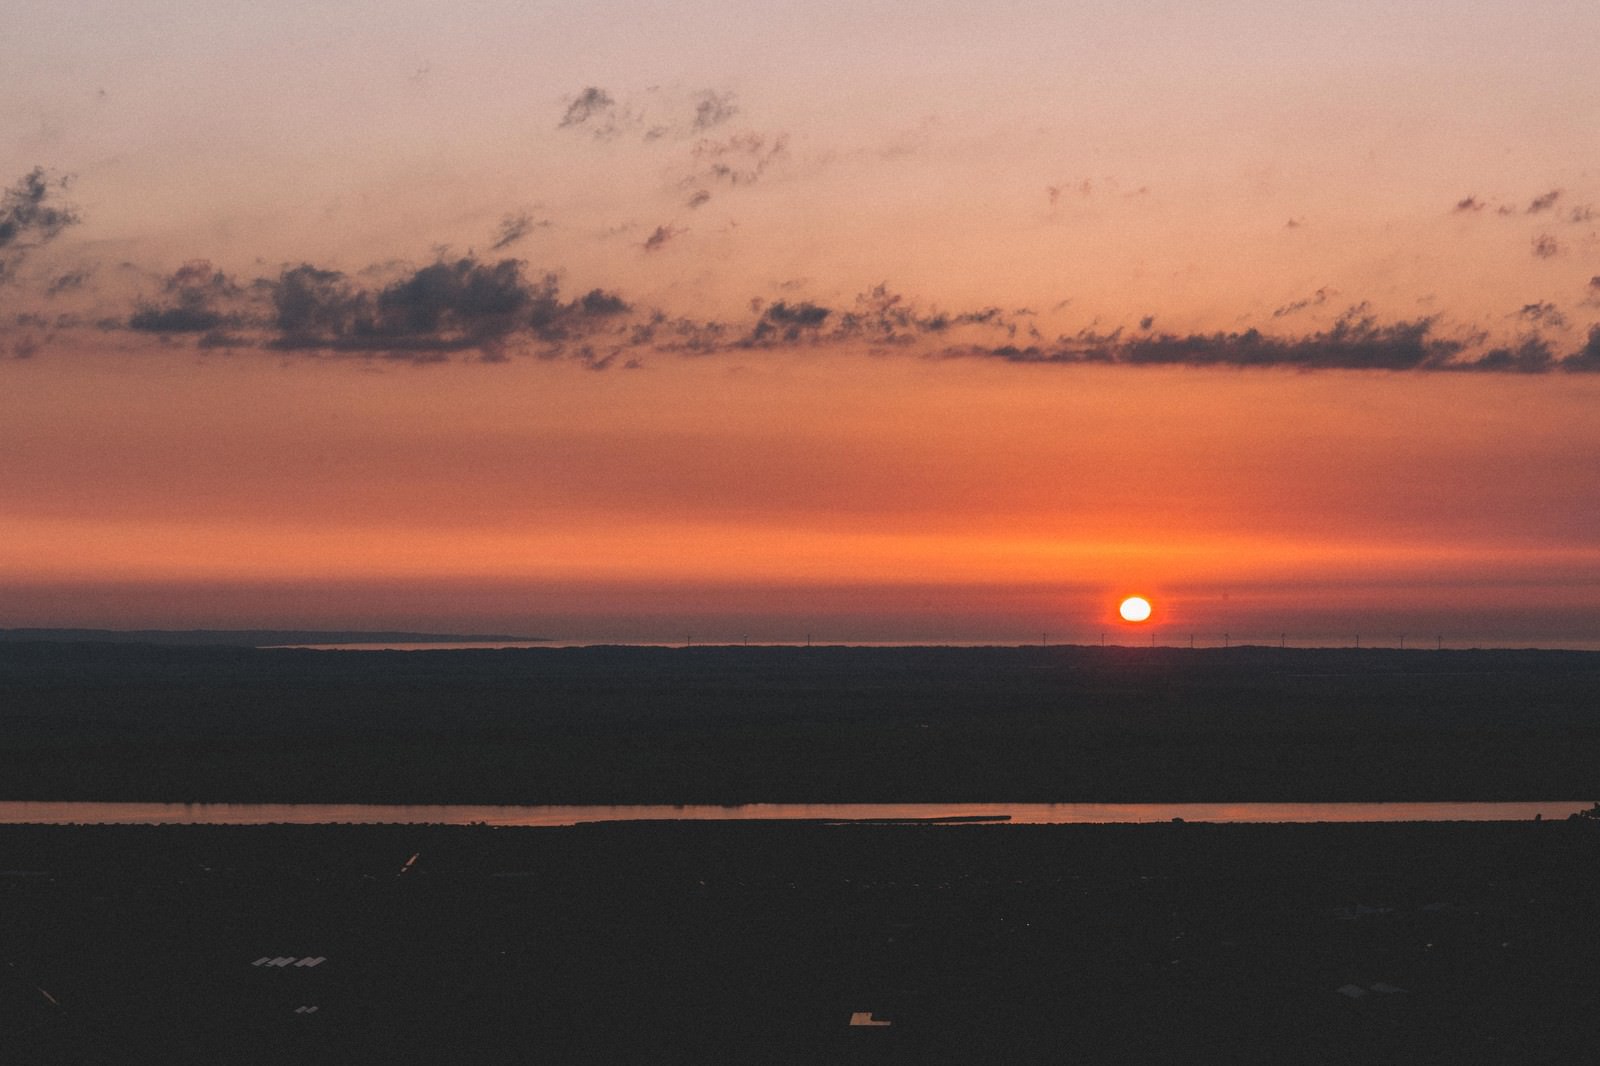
556	815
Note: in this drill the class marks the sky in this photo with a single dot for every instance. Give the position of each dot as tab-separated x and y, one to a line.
867	321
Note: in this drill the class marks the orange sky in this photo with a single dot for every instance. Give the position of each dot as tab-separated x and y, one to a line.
956	329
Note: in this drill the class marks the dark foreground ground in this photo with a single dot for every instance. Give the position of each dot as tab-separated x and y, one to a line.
735	725
757	942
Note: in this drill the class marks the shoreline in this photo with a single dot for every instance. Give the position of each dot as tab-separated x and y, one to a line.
78	813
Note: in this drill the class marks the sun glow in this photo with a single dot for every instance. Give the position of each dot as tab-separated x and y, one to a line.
1134	609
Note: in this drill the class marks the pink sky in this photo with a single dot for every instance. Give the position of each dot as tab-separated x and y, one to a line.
948	322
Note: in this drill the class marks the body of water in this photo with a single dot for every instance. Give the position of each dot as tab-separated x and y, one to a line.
15	813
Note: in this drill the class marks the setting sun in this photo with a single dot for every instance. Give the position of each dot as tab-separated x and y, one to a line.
1134	609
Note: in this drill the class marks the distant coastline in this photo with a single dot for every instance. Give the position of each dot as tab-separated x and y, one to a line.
253	638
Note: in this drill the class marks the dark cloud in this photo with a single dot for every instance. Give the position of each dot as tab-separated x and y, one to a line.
494	308
1353	343
1532	356
448	306
174	320
882	316
512	229
878	317
592	103
443	307
30	216
599	303
1546	246
193	302
1469	204
789	322
684	335
713	108
660	237
1586	359
792	319
1294	223
1543	314
1544	202
26	216
28	332
217	339
464	297
1582	214
1356	343
315	307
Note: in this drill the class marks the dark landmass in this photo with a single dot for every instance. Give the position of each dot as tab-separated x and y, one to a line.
827	724
250	638
735	943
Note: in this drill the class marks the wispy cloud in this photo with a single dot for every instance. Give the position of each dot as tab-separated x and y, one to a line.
1053	193
660	236
512	229
1543	313
591	107
713	108
191	302
1316	299
740	159
655	115
71	281
31	216
1544	202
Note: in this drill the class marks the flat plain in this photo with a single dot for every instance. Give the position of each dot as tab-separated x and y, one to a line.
758	942
744	725
761	942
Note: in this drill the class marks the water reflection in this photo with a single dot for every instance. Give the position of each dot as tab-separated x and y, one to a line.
1007	813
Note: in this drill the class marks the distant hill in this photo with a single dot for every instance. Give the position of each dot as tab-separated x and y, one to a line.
251	638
